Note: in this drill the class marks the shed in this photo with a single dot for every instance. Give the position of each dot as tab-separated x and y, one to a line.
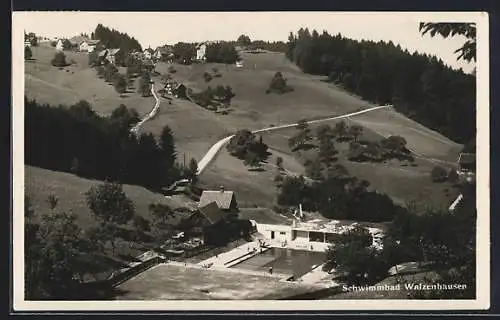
180	91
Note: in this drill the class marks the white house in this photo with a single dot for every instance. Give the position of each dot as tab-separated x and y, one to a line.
59	45
88	45
201	51
148	53
157	55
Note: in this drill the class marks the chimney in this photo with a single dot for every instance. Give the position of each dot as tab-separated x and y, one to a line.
221	188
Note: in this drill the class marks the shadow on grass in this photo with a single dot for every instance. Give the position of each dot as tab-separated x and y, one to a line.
304	147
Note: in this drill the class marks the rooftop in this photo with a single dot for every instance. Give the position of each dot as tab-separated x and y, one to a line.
221	197
212	212
78	39
262	216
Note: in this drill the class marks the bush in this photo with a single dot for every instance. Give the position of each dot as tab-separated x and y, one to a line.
453	176
110	72
100	71
145	86
245	143
278	84
59	60
207	77
171	69
439	174
120	84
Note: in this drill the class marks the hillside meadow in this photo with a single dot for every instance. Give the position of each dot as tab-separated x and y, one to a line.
196	129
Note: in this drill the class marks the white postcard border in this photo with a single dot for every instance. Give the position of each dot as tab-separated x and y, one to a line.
482	302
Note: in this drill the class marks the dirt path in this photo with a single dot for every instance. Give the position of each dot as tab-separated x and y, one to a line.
150	115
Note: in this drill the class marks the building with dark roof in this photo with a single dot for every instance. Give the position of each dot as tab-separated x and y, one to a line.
213	213
215	226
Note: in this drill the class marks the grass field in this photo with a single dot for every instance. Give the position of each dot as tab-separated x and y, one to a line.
196	129
402	181
170	282
252	107
70	190
251	187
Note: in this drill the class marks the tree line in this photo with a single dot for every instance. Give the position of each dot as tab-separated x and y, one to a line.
418	85
337	196
76	139
247	43
221	52
111	38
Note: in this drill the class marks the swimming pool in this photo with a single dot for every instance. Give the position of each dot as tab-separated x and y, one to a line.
283	261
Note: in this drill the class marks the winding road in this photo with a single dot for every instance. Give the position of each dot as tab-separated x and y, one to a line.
150	115
212	152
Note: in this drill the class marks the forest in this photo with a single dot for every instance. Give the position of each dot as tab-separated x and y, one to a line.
111	38
75	139
419	86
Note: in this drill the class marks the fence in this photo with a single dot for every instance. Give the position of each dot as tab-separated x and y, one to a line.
135	270
102	286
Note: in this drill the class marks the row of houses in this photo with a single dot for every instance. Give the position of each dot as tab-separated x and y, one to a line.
161	53
79	43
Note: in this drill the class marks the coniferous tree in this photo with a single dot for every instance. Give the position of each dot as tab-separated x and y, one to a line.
418	85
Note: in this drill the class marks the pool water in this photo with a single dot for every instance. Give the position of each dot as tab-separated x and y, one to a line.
283	261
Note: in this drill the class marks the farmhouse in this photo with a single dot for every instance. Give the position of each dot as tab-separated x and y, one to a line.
109	54
164	53
225	200
88	45
215	226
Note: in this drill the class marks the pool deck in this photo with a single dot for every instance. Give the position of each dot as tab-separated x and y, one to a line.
226	260
222	259
278	276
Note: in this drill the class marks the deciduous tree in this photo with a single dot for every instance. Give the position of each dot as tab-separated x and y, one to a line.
109	203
